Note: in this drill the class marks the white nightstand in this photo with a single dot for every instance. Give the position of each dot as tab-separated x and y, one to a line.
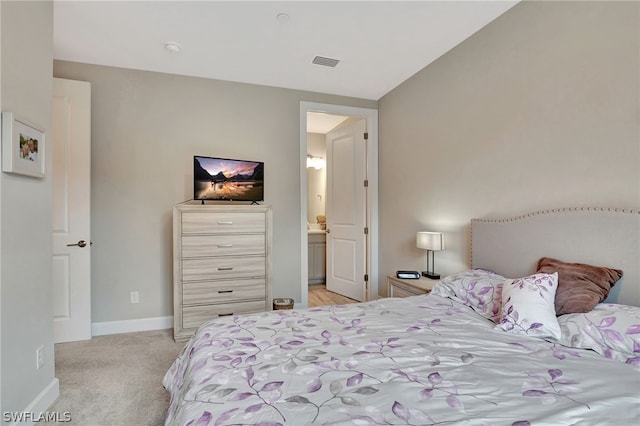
398	287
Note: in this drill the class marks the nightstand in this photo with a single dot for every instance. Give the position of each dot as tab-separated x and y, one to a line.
397	287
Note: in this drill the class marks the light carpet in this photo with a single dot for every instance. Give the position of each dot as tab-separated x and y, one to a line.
115	380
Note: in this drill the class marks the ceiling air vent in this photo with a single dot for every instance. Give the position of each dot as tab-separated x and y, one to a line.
327	62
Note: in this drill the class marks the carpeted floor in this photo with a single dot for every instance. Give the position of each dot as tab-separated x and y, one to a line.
116	379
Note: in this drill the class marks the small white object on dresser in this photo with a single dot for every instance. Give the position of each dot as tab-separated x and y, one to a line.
221	263
398	287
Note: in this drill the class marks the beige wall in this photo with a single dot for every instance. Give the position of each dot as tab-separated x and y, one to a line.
25	217
146	127
537	110
316	178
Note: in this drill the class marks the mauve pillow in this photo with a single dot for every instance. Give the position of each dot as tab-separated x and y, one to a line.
580	286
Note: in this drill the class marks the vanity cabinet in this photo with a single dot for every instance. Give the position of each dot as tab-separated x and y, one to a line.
317	250
221	263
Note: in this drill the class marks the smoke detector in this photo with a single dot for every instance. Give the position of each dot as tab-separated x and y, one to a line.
172	47
283	18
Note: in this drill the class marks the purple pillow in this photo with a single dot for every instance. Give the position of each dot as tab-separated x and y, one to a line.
611	330
479	289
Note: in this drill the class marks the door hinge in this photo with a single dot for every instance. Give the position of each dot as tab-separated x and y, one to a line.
366	230
366	136
366	277
366	183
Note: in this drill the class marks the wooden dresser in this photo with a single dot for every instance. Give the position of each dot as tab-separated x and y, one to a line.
221	263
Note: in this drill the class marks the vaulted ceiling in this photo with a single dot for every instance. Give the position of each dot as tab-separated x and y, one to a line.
378	44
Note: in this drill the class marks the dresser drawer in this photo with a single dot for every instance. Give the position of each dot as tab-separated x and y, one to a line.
213	268
193	316
222	222
221	245
398	291
223	291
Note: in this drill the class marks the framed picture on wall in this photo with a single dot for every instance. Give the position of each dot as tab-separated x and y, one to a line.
23	147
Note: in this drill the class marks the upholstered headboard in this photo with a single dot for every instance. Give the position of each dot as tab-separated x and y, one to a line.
597	236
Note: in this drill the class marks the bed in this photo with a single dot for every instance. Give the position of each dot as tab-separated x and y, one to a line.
484	348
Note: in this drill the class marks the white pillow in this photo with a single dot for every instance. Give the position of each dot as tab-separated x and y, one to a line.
611	330
528	306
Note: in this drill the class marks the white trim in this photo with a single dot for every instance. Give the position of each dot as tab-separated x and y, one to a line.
43	401
371	115
130	326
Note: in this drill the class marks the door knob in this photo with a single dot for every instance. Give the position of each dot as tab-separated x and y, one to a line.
328	231
80	243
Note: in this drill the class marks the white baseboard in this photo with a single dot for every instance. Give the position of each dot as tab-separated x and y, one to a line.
41	403
130	326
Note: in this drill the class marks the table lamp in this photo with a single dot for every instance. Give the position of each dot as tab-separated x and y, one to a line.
430	241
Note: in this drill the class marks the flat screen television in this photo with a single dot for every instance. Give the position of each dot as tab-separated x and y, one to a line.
227	179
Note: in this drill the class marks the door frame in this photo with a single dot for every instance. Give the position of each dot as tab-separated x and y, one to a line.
371	115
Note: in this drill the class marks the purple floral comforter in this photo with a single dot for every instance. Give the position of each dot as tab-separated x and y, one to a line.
414	361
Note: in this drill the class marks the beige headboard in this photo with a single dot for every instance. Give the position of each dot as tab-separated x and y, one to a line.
597	236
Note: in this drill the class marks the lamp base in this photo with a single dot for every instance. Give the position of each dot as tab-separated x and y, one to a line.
431	276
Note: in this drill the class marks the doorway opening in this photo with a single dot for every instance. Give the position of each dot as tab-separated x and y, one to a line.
313	196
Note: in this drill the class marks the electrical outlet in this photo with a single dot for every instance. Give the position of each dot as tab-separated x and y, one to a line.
39	357
134	297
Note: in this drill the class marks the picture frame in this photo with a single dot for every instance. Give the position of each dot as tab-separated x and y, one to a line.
23	147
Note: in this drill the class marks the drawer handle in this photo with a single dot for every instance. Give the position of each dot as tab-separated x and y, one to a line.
225	315
228	268
225	245
225	222
225	291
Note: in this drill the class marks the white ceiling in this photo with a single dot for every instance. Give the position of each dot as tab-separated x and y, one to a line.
379	43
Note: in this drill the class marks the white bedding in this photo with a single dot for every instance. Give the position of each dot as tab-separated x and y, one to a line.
419	360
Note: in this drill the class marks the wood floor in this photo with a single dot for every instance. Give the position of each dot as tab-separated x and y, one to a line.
320	296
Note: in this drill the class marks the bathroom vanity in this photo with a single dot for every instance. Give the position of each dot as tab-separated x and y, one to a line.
317	255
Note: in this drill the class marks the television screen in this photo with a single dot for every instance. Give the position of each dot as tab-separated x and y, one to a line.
226	179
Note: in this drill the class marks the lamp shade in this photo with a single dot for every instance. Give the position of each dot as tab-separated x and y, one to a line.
430	241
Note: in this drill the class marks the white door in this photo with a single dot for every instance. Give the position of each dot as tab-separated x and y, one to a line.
71	131
346	211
